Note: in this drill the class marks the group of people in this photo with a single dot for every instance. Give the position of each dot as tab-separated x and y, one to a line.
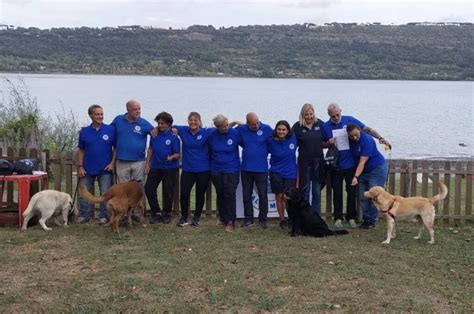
212	154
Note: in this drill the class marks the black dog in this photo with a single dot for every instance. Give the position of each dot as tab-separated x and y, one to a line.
305	220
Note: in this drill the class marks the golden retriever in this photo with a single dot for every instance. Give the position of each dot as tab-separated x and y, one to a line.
420	209
121	198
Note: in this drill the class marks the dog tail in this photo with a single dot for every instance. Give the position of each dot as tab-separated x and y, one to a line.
443	192
340	232
330	232
89	197
31	205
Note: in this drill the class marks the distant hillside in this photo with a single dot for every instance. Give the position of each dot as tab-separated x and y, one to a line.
336	51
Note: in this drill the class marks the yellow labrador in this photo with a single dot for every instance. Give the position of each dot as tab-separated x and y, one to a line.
420	209
49	203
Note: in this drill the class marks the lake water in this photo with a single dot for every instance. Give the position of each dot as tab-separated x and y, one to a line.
422	119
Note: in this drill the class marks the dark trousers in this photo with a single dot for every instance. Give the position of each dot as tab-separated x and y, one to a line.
260	179
337	176
226	185
310	180
154	178
187	181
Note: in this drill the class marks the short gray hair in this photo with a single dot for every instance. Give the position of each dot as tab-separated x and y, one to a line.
333	106
219	120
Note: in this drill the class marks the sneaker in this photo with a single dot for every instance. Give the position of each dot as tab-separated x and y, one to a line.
262	224
246	223
367	225
284	224
102	221
166	218
352	224
82	220
338	223
154	219
182	222
195	222
230	227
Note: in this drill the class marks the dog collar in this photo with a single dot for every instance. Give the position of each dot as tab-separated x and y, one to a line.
389	209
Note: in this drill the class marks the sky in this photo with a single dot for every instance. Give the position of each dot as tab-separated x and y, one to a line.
183	13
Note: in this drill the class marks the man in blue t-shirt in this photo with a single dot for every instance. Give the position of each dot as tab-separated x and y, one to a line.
95	160
334	131
254	169
131	140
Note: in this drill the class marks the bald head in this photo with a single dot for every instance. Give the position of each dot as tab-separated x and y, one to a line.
133	110
252	121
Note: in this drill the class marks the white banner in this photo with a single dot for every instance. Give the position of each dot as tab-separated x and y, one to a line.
272	209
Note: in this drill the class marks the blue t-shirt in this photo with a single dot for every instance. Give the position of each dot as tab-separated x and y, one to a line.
225	151
163	145
255	151
131	138
283	156
366	147
98	148
195	149
346	160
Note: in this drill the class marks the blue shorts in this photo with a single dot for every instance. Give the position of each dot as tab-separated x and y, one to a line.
280	184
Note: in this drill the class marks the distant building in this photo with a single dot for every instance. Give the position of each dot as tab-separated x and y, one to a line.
5	27
130	27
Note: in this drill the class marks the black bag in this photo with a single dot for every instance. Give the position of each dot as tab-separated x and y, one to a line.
6	167
331	159
25	166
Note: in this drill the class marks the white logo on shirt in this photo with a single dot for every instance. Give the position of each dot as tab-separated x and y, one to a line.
168	142
316	128
105	137
199	137
292	146
229	142
259	132
304	131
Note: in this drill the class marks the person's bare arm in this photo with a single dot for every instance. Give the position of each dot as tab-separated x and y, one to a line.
80	163
376	134
359	169
149	155
110	167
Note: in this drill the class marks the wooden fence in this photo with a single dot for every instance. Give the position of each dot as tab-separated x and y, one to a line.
406	178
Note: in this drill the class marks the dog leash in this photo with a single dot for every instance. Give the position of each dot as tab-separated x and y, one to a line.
75	192
389	147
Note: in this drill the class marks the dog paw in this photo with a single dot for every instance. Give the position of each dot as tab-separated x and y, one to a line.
386	241
431	242
416	237
48	229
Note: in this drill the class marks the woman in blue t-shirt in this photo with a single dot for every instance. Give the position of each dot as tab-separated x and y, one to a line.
196	166
282	147
225	166
162	165
371	171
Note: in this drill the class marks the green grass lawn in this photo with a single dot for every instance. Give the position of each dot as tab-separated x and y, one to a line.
86	268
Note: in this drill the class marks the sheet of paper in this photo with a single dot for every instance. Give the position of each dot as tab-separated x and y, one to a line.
341	138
